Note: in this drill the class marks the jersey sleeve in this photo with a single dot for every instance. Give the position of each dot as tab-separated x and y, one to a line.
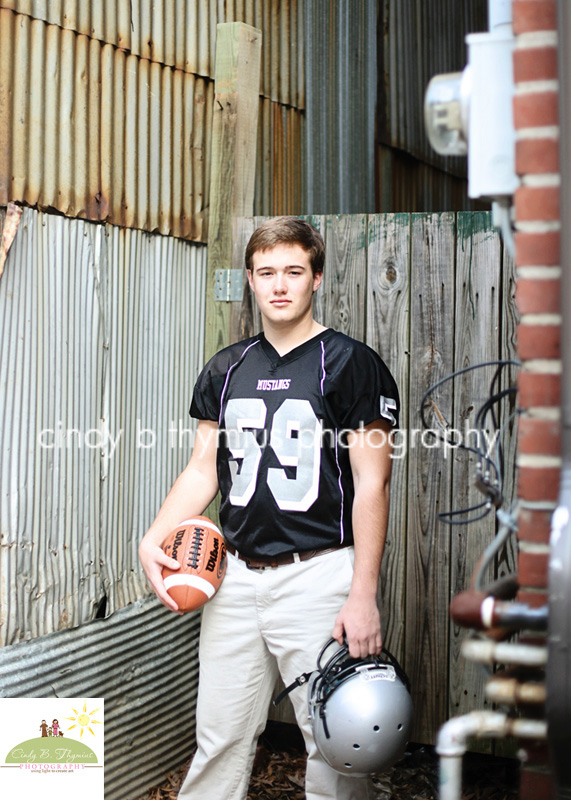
363	390
206	395
209	387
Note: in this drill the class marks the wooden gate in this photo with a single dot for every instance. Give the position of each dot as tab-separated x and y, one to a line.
431	293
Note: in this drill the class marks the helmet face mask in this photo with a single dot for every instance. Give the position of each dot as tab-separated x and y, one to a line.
360	711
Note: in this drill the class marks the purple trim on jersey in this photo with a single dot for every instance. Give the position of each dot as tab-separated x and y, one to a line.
341	526
323	373
230	368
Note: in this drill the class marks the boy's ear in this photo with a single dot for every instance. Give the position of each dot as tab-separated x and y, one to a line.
249	274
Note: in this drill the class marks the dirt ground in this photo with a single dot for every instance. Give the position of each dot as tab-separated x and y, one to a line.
279	774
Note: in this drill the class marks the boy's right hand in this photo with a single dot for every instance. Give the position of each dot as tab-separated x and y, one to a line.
153	559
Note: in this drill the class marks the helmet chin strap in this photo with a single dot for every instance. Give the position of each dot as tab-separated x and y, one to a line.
305	676
299	681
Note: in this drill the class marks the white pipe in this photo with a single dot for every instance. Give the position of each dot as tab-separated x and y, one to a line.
453	735
499	13
484	651
510	691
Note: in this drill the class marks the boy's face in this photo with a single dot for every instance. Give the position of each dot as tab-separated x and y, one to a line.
283	283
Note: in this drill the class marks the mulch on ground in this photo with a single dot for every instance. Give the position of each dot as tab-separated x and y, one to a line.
279	775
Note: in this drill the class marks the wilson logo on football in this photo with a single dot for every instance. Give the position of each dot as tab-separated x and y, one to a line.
199	548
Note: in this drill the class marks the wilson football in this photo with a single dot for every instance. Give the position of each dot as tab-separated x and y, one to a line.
199	548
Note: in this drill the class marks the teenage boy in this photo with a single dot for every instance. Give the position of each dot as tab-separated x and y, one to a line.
293	430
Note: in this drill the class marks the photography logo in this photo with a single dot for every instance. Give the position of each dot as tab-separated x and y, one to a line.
52	745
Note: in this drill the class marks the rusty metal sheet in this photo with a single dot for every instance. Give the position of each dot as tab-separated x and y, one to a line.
280	171
102	332
96	133
183	34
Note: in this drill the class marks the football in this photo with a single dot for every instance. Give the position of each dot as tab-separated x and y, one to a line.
199	548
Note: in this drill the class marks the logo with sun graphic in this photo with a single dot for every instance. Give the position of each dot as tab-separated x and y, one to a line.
44	736
84	719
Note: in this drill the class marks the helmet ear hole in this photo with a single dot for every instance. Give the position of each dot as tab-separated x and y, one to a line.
356	747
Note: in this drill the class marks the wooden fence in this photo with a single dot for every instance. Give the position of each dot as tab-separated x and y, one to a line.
431	293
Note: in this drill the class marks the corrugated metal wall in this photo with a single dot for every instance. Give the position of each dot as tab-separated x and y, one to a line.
143	662
416	40
182	33
106	108
341	101
102	334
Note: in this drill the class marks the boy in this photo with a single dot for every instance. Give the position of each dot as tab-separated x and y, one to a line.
293	430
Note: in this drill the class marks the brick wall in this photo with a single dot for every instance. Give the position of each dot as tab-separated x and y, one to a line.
537	242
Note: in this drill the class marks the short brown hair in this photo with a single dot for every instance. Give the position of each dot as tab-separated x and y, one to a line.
287	230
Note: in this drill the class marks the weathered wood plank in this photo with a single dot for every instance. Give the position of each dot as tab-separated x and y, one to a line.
244	319
318	221
506	561
234	138
428	541
508	322
234	129
476	341
345	274
387	332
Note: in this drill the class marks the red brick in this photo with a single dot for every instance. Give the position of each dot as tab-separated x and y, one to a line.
535	296
534	15
532	599
536	785
537	752
538	341
537	249
538	483
534	525
535	64
536	156
535	109
539	436
532	570
537	203
539	390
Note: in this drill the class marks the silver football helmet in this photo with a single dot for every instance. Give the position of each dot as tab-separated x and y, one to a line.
360	711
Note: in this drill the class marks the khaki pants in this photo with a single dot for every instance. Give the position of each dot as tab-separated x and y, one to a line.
261	622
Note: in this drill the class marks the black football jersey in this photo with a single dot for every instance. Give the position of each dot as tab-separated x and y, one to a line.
283	463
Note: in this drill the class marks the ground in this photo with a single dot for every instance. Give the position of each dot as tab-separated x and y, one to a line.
280	766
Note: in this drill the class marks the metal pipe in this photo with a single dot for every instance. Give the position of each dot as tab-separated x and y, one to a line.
516	616
474	610
483	651
453	735
510	691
